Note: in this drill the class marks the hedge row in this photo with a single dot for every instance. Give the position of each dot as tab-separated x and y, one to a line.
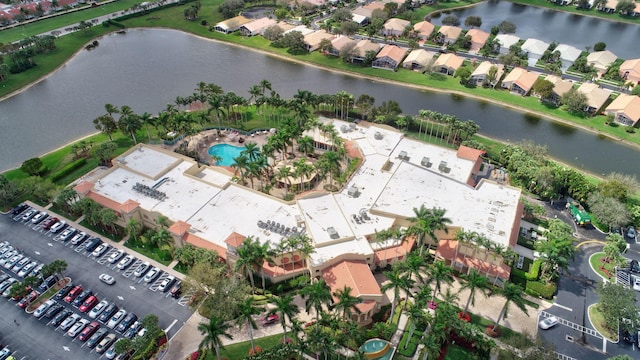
539	289
67	169
532	275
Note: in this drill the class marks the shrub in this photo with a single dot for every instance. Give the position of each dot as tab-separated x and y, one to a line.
68	169
534	271
407	346
539	289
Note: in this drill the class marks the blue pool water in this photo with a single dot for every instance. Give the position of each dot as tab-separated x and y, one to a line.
377	346
226	152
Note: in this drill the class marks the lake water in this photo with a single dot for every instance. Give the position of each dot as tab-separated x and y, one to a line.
148	68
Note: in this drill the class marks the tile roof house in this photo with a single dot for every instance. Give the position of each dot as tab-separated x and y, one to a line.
560	87
231	25
424	29
596	96
626	109
368	9
312	41
257	26
362	47
478	39
609	6
448	63
535	49
418	59
568	54
506	40
338	43
479	75
361	20
519	81
601	60
449	34
630	70
389	58
394	27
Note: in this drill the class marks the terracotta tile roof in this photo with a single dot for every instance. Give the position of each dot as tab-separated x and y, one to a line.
352	149
478	36
394	252
179	228
560	86
235	239
339	42
104	201
393	52
484	68
451	32
468	153
84	187
273	270
447	250
632	66
629	105
366	45
450	60
366	306
424	28
354	274
396	24
202	243
128	206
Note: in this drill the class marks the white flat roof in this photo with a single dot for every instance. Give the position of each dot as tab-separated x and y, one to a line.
147	161
321	213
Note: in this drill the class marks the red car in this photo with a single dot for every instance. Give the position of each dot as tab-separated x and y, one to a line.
270	319
89	303
73	293
28	299
49	223
88	331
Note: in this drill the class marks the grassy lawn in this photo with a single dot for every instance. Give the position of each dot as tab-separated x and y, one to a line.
598	323
455	352
152	253
100	231
596	262
241	350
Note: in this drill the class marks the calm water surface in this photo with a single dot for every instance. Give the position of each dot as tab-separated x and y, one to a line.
146	69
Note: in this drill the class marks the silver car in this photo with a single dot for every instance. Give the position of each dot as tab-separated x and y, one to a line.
77	327
69	322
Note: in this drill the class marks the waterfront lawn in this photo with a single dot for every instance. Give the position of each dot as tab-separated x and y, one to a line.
587	12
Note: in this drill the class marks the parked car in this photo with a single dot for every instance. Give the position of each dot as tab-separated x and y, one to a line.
14	260
88	303
73	294
47	224
98	309
88	331
69	322
30	214
82	297
37	270
5	352
165	285
18	209
77	327
631	232
6	249
42	309
38	218
133	330
28	299
53	311
152	274
125	262
115	256
270	319
57	227
128	321
634	266
79	238
7	256
20	264
101	249
27	269
63	315
107	279
105	343
4	277
117	318
64	291
636	283
176	290
108	313
631	338
67	234
142	269
47	283
6	285
548	323
92	244
96	337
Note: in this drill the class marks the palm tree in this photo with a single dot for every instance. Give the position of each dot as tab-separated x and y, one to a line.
398	280
284	173
246	259
162	239
129	122
474	282
213	331
251	150
514	295
305	145
246	311
330	162
414	265
427	222
316	294
416	315
346	302
286	308
440	274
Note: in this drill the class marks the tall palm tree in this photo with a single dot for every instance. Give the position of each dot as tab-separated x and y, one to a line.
284	173
286	308
213	332
246	311
251	150
316	294
245	264
346	302
414	265
416	316
474	282
440	274
330	162
425	223
514	295
398	280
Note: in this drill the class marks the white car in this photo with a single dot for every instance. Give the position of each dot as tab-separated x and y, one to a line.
78	238
67	233
9	264
166	283
115	320
98	309
38	218
42	309
27	269
69	322
152	274
77	327
107	279
124	263
142	269
115	256
636	283
58	226
101	249
548	323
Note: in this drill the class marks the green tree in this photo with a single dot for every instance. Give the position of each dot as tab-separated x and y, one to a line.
106	125
129	122
616	303
451	20
346	302
599	46
557	250
543	87
398	280
514	295
625	6
32	166
18	290
316	294
246	311
464	73
213	332
474	282
9	191
607	210
286	309
105	151
575	101
440	274
473	21
426	222
123	345
55	267
507	27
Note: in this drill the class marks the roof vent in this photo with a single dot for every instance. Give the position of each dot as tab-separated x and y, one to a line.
353	192
403	155
426	162
378	135
442	166
122	160
332	232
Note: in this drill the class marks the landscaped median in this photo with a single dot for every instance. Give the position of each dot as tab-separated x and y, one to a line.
47	295
597	320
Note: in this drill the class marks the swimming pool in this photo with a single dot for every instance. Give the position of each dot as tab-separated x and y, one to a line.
378	349
226	153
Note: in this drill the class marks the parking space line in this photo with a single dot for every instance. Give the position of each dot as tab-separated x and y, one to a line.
156	284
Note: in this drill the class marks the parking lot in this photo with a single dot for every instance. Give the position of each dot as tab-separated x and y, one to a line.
31	338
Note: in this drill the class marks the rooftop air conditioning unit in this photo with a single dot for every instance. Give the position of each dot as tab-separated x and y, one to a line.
378	135
332	232
442	166
425	162
403	155
353	192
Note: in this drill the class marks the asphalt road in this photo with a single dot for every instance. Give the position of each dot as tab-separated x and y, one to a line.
576	292
32	339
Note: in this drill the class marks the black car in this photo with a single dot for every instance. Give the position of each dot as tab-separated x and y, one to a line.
176	290
108	313
64	291
53	311
47	283
18	209
82	297
634	266
631	338
62	315
128	321
133	330
92	244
